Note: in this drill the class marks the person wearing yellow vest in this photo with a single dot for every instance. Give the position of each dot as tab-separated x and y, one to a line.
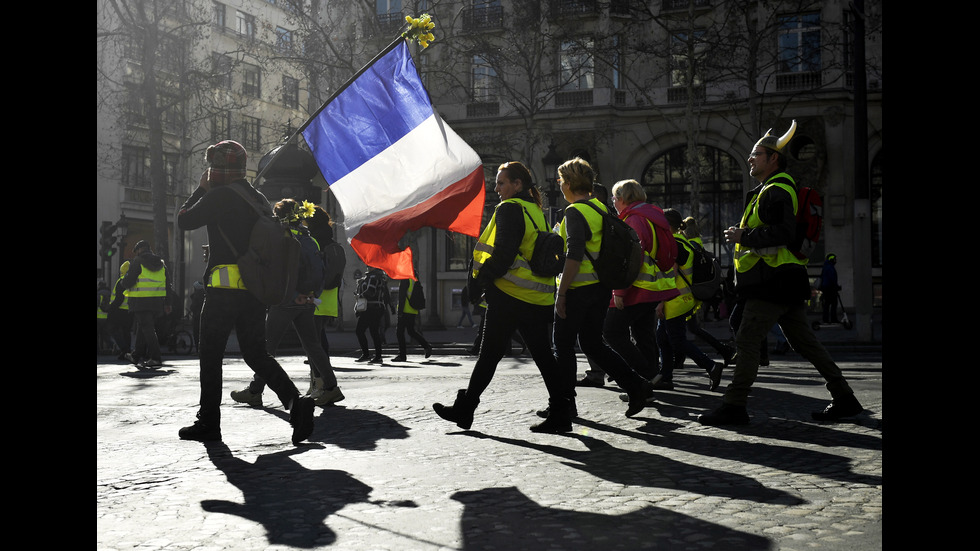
148	289
228	305
630	327
409	292
297	311
120	320
516	298
672	331
582	300
774	285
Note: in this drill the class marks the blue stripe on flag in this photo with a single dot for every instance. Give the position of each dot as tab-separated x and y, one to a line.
376	110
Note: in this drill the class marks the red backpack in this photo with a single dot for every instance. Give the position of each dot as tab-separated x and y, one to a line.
666	244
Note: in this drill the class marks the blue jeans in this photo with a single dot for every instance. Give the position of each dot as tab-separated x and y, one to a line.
224	310
758	317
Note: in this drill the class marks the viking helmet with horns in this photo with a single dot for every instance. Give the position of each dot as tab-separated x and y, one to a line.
772	142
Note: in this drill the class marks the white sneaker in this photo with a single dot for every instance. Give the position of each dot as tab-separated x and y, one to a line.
328	397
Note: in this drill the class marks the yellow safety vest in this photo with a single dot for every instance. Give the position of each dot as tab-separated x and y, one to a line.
684	302
519	282
125	301
651	277
406	307
586	273
328	303
226	276
150	284
745	257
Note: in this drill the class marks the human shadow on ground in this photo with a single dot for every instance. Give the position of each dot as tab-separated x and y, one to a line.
371	427
289	500
647	469
792	458
505	518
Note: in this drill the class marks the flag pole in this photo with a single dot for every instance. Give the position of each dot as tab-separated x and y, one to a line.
347	84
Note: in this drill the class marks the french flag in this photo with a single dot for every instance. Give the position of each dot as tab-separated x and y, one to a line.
393	164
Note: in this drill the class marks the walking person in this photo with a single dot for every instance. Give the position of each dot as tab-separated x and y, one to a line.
297	311
582	300
411	300
631	321
773	284
516	299
328	305
119	319
372	292
464	305
228	305
148	288
829	289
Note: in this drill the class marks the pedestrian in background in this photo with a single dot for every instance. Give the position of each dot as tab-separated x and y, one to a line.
148	287
372	292
829	289
119	318
411	299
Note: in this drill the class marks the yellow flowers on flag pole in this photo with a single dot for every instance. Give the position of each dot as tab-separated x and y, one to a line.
419	29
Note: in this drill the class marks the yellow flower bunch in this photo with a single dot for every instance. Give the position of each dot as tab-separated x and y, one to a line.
419	30
300	211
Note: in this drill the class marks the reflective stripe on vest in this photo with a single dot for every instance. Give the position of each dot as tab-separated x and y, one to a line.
226	276
150	284
125	301
651	277
684	302
519	282
745	257
586	273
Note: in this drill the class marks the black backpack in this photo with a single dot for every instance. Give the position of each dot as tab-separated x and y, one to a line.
335	261
270	264
620	253
706	272
548	258
369	286
310	276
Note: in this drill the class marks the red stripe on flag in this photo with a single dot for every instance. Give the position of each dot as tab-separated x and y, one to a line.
458	208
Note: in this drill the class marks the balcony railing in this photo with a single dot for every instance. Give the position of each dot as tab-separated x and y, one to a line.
483	109
565	8
483	18
798	81
573	98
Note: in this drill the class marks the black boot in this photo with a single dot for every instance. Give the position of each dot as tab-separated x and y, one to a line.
461	412
559	417
842	406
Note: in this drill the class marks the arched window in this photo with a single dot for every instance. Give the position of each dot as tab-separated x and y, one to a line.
720	198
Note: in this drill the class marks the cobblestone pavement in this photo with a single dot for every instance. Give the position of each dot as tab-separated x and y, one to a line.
383	472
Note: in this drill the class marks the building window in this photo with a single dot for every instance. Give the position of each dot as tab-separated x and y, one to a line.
284	40
221	66
220	126
290	92
686	52
459	251
251	81
136	167
245	24
576	64
799	43
877	237
484	85
720	198
219	15
251	134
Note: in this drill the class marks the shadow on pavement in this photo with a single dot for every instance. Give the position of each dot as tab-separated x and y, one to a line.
637	468
505	518
277	494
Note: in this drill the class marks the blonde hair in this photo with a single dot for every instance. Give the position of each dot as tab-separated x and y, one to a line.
578	174
629	191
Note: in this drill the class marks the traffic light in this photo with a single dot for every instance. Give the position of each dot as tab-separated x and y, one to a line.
107	240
